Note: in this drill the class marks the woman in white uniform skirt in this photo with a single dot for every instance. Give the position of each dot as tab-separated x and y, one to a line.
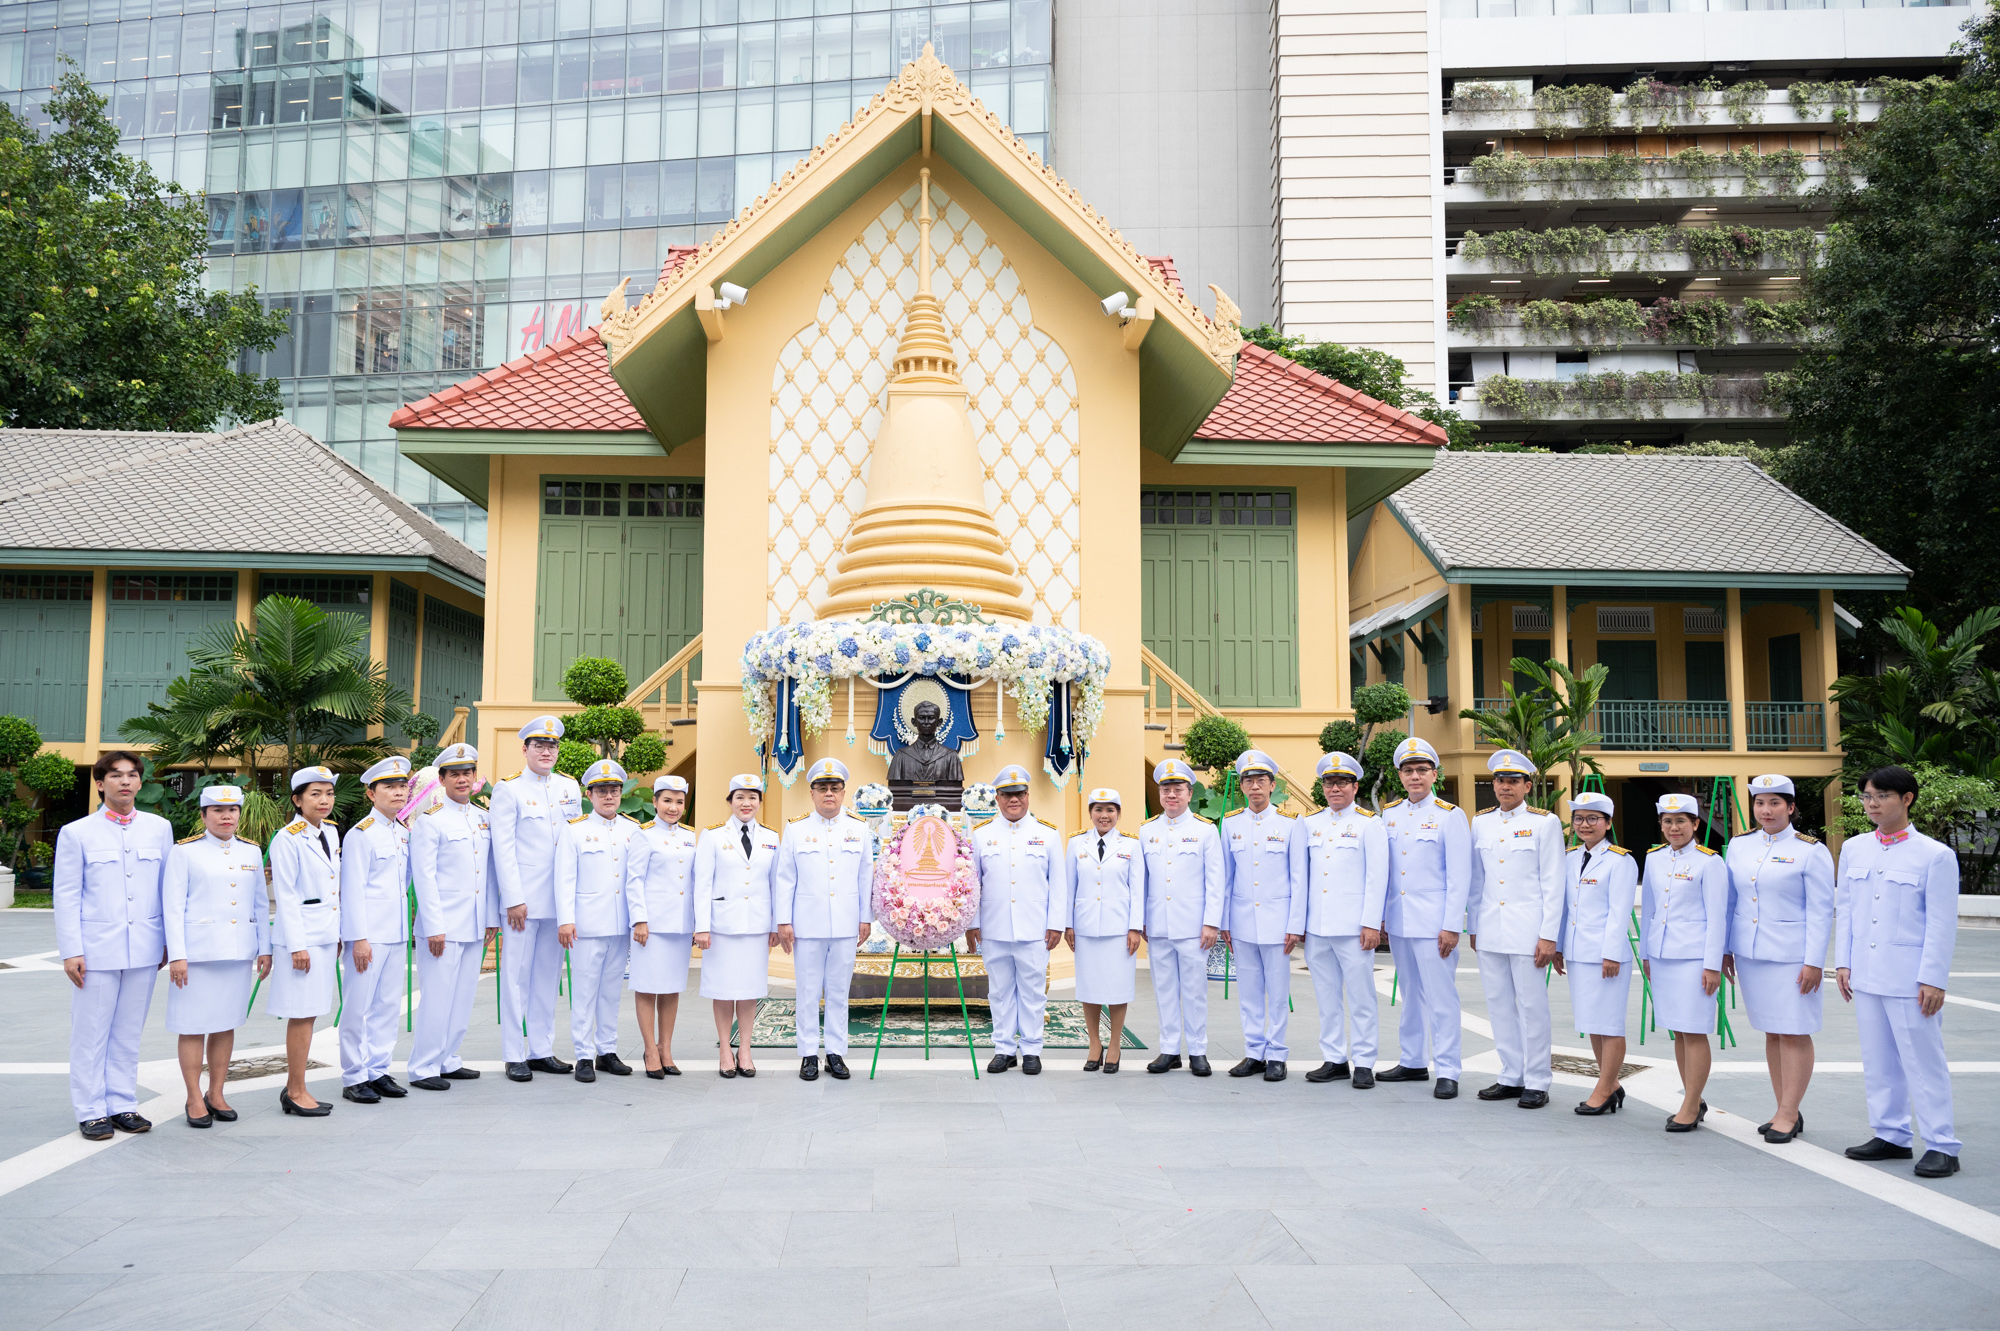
1780	918
305	929
735	865
659	877
1107	894
1683	927
1603	880
218	946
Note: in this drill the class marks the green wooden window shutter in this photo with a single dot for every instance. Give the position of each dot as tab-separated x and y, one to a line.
1219	588
45	651
1635	671
1788	679
1706	679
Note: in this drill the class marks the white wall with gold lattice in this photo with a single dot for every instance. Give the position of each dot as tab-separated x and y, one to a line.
826	407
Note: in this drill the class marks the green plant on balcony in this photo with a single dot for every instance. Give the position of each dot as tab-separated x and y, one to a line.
1745	101
1477	310
1595	106
1781	173
1782	321
1842	96
1703	322
1650	389
1668	106
1483	97
1559	248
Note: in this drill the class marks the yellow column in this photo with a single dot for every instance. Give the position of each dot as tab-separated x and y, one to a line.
246	597
378	631
93	686
1459	681
1732	659
1829	670
1343	661
417	673
1559	651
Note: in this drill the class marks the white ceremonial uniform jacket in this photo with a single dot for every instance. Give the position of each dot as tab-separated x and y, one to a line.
590	875
375	882
659	877
1780	897
1264	863
213	898
1684	911
1347	873
305	886
826	873
451	863
1516	897
1107	897
732	894
1021	883
1430	854
1185	888
1897	915
107	890
1598	908
527	815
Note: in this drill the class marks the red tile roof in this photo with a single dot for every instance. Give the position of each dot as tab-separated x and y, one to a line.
566	385
1275	400
1163	264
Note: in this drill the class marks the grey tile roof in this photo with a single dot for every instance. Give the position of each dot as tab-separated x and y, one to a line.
263	489
1648	514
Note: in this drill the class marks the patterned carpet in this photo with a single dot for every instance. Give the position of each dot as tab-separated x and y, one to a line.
1064	1029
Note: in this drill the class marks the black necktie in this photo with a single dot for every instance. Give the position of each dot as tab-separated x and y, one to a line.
1100	848
1585	868
746	839
324	849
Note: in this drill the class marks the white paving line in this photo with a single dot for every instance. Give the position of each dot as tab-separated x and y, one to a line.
1972	1002
34	961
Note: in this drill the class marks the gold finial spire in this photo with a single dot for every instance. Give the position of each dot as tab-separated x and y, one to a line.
923	353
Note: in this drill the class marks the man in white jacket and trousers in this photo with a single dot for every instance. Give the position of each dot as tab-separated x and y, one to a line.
1515	908
826	867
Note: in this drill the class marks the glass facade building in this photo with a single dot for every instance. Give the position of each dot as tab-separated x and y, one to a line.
432	187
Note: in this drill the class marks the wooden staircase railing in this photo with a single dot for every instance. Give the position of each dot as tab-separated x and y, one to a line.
454	731
1172	704
673	684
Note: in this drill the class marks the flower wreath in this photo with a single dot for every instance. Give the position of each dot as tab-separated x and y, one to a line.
926	924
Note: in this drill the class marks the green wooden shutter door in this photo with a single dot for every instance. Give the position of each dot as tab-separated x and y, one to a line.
1635	671
44	665
1277	628
1237	615
602	628
1478	671
1706	679
1177	616
646	595
558	605
1788	678
683	598
454	656
145	648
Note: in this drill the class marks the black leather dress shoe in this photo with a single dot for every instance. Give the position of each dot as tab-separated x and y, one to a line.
1001	1062
1936	1164
205	1121
1164	1063
361	1093
1328	1072
96	1129
430	1083
519	1072
1877	1149
1497	1091
549	1064
1249	1067
836	1067
1403	1072
388	1087
1364	1079
470	1074
131	1122
1198	1065
614	1065
585	1070
221	1115
1031	1065
1533	1100
291	1106
809	1068
1274	1070
1446	1089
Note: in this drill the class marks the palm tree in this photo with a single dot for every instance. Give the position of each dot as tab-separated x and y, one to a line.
1938	705
1575	706
1548	725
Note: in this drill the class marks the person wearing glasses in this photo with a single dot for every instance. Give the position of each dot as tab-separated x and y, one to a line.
1603	880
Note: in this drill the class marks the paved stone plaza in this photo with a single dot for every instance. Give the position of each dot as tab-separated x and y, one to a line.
927	1198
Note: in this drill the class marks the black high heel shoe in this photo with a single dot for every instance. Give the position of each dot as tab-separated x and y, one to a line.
221	1115
656	1074
291	1106
1776	1138
205	1121
728	1070
1612	1104
1675	1125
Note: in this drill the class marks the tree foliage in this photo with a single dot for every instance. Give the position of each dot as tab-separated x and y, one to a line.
1365	370
44	772
1898	410
106	322
1940	706
1549	721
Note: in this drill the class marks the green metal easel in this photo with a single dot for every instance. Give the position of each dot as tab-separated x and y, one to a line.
889	988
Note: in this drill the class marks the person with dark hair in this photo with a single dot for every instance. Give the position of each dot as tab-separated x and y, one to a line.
111	934
218	947
1896	919
305	929
1603	878
1683	927
374	878
1780	918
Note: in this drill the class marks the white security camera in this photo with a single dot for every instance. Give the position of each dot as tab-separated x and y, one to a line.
733	295
1115	303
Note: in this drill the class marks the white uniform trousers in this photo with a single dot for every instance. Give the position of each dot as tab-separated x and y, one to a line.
1180	988
1427	987
1017	980
1265	973
824	968
1340	966
531	964
368	1018
596	983
1517	1003
106	1017
1903	1068
445	1006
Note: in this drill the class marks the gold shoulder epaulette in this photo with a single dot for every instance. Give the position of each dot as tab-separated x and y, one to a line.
1706	850
1046	823
189	840
801	818
365	823
296	826
634	821
715	827
1367	813
1809	840
766	826
1393	803
512	775
647	826
579	818
1440	803
1618	850
1212	822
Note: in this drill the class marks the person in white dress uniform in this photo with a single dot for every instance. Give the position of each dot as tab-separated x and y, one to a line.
826	866
1683	928
1423	910
593	919
218	946
108	870
1897	924
1514	912
735	875
1780	921
1264	865
374	925
527	814
1183	913
1106	874
305	929
1339	911
659	887
1023	911
1603	882
458	913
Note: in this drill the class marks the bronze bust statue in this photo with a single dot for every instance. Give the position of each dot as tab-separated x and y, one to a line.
924	761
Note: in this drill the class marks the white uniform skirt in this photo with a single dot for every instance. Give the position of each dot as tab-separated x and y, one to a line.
736	967
1599	1004
1771	996
217	997
1678	1002
660	966
309	993
1105	972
